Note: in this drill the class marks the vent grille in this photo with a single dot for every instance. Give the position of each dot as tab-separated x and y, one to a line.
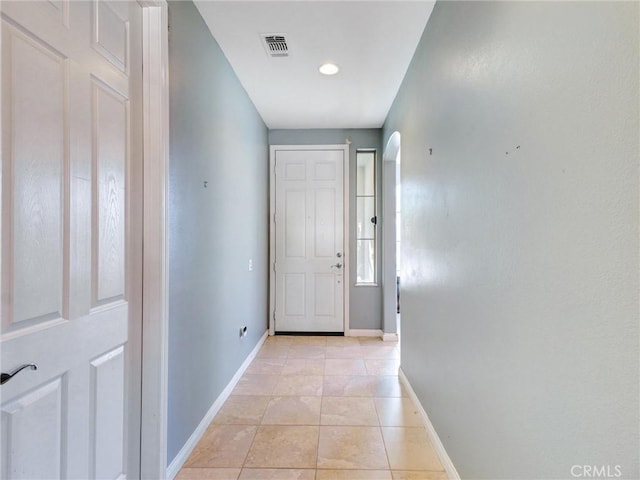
275	45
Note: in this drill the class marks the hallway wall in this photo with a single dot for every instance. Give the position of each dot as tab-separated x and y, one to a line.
519	126
365	308
217	136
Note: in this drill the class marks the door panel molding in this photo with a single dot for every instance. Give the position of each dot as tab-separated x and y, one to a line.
42	406
300	173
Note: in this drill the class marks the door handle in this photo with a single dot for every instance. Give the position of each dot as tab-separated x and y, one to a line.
337	265
5	377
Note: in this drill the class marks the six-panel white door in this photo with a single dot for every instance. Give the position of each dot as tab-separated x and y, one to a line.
309	241
71	123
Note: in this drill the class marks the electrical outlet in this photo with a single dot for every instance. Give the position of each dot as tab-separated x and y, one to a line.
251	264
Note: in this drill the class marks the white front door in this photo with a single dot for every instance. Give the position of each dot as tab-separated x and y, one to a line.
309	240
71	160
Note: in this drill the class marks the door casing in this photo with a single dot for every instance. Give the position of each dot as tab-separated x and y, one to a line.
155	260
272	232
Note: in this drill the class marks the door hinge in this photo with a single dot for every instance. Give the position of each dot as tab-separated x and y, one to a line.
274	218
274	267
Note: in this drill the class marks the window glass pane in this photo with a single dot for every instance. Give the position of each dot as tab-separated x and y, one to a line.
366	261
366	210
365	173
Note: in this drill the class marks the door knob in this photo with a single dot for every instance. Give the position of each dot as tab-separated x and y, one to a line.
337	265
5	377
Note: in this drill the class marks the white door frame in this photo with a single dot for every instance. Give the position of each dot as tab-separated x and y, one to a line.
155	290
272	227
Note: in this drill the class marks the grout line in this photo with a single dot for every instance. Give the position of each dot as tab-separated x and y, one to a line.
386	451
322	397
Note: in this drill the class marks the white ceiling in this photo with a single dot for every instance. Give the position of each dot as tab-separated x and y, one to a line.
372	42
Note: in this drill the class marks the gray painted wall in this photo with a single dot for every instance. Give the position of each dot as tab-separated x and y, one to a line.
217	136
365	309
520	237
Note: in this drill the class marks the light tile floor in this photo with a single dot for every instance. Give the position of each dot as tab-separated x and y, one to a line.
317	408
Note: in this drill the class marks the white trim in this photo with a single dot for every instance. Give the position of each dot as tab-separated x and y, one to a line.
389	337
153	428
357	332
185	451
272	228
452	473
272	240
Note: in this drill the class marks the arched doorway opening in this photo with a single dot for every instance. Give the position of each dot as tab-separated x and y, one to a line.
391	159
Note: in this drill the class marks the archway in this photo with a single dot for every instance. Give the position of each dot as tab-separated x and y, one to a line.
391	237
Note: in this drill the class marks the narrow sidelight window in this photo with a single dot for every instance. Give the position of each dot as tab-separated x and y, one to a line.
366	217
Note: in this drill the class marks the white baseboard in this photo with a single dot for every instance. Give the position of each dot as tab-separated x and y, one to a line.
355	332
452	473
185	451
389	337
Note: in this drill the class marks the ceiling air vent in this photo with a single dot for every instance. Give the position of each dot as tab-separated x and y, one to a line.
275	45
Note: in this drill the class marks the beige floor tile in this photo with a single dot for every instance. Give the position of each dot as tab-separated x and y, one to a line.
307	351
351	448
277	474
283	447
408	448
398	412
349	351
389	386
242	410
377	351
353	475
279	340
316	340
344	366
266	366
293	411
418	475
256	384
350	386
348	411
382	366
303	366
342	341
299	385
222	446
208	474
363	386
274	350
370	340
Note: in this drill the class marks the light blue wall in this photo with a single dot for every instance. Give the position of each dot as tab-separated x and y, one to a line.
218	137
365	309
520	235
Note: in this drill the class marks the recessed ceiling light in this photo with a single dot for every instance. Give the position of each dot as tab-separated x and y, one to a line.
328	69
